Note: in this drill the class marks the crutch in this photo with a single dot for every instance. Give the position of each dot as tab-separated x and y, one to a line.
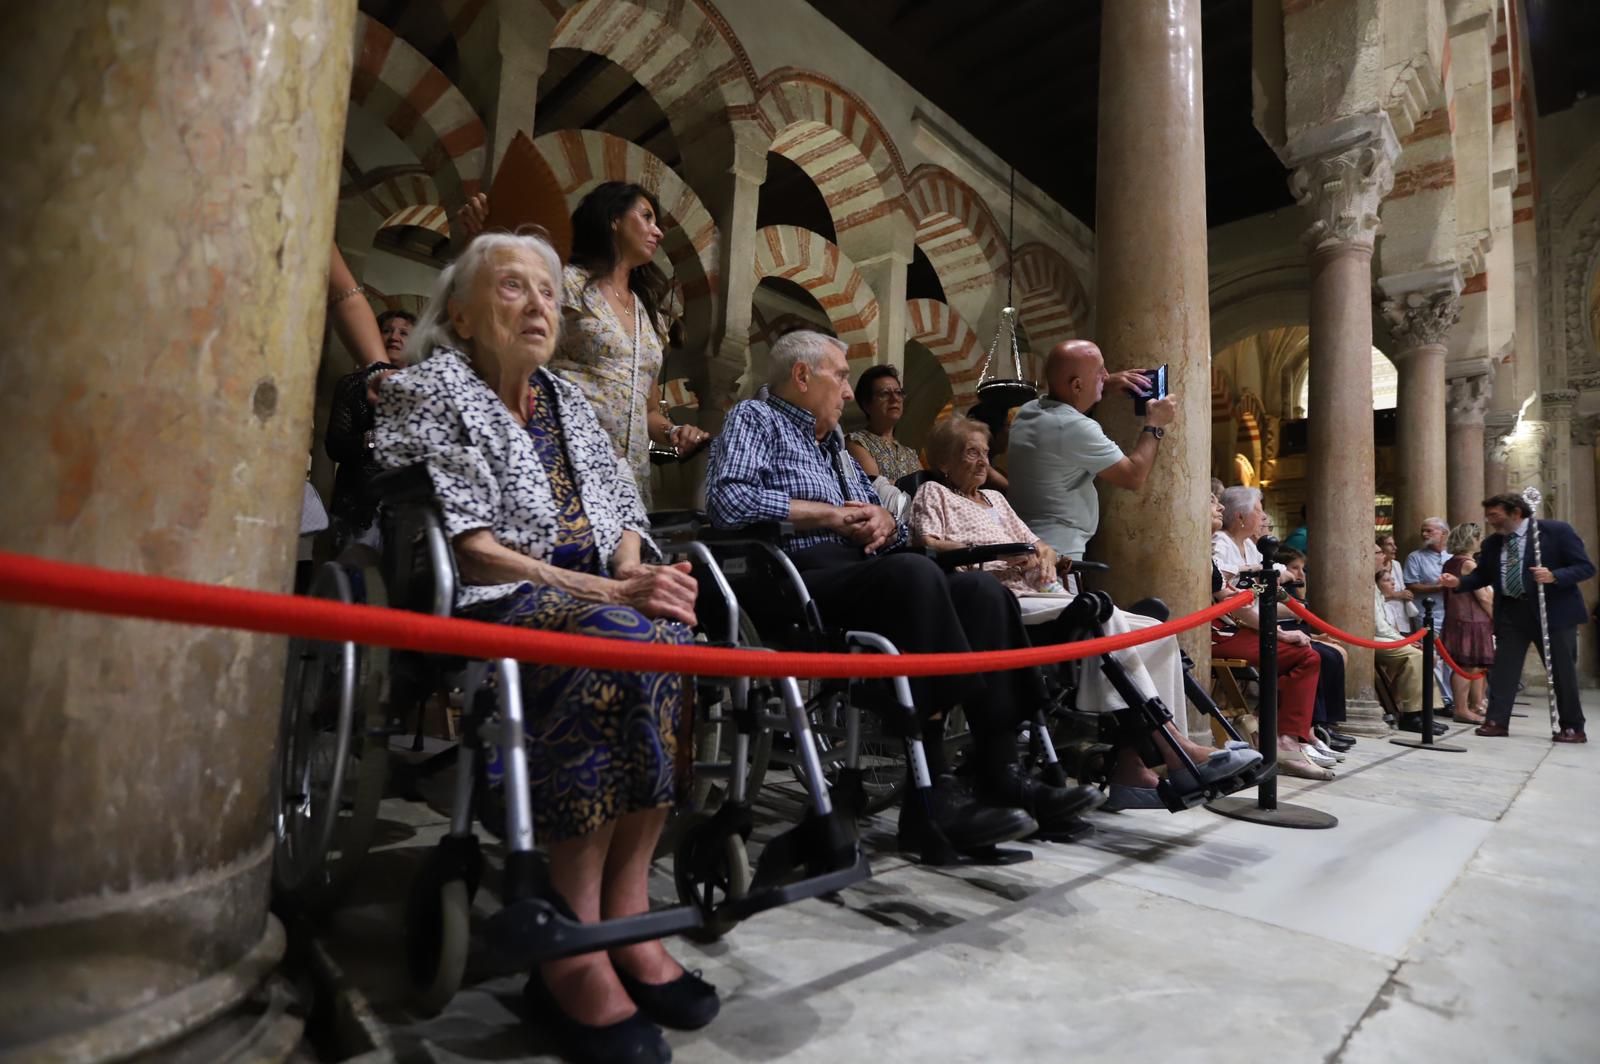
1531	496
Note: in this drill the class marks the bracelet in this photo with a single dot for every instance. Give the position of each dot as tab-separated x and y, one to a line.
340	297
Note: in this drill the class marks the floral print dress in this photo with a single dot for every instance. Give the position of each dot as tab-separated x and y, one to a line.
597	352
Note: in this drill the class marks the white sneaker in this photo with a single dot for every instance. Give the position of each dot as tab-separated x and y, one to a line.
1325	750
1316	756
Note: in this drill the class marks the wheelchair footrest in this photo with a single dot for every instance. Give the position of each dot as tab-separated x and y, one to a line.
538	929
760	899
1177	801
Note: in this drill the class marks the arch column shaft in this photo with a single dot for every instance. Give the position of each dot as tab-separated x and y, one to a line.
1464	445
1154	302
179	192
1421	440
1343	171
886	276
1586	519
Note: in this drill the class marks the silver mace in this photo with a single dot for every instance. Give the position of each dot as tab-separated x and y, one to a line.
1531	496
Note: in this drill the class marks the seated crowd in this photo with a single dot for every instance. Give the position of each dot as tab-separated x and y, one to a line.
542	491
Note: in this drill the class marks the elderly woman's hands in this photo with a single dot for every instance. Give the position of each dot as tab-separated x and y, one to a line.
657	591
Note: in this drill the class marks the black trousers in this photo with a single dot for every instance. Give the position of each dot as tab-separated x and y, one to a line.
909	600
1330	686
1516	629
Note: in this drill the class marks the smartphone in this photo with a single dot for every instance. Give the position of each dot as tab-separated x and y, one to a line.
1157	389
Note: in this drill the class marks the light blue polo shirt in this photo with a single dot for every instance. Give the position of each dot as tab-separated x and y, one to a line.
1054	456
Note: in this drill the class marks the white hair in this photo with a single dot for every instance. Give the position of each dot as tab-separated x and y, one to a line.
1437	522
802	345
433	329
1237	501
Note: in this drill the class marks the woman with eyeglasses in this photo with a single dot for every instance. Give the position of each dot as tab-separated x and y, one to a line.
883	399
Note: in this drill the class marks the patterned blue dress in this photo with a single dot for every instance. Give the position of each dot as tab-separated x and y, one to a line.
601	743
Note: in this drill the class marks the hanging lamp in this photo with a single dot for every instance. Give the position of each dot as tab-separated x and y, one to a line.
1001	382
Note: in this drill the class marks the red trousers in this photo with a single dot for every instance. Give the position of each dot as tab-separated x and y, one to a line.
1298	668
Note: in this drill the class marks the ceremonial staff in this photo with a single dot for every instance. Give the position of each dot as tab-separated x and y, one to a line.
1531	496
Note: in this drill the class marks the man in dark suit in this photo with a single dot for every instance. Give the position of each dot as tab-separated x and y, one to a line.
1505	563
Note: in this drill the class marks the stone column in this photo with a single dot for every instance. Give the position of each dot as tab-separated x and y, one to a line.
1586	519
1342	173
886	275
1497	430
171	219
732	196
1150	223
1464	444
1420	310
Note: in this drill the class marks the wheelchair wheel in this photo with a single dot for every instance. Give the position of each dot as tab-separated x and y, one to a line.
709	868
438	923
330	771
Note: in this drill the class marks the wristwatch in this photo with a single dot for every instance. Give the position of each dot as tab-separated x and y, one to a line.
1154	430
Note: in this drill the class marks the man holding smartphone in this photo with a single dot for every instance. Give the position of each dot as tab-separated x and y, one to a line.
1057	450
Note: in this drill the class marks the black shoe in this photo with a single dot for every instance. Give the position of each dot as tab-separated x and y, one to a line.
1333	739
1411	722
635	1039
1053	807
965	824
1440	727
687	1003
1340	737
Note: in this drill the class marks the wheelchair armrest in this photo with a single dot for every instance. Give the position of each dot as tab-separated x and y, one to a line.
989	552
1086	566
409	485
772	533
677	525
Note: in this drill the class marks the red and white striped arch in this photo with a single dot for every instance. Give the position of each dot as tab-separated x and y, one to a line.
958	234
1050	301
836	139
680	51
584	158
395	194
423	216
942	330
816	264
393	81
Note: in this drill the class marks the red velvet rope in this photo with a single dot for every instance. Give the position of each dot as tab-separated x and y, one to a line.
1448	660
1345	637
86	588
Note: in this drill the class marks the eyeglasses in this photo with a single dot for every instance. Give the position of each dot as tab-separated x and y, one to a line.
975	454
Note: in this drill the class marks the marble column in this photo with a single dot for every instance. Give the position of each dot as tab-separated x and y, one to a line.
1153	300
170	221
1342	174
1586	519
1464	442
1497	430
886	275
1419	316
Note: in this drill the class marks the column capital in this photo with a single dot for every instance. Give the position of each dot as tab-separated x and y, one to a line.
1556	405
1418	319
1586	430
1342	172
1469	399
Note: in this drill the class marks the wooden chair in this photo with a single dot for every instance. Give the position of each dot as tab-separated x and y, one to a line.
1229	696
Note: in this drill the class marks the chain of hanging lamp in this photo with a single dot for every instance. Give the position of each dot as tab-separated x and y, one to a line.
1001	378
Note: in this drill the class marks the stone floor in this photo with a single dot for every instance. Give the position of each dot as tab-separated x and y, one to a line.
1449	916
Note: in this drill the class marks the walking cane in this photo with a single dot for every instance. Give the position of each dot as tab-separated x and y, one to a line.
1531	496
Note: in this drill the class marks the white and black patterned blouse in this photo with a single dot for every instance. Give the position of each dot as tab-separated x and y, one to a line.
484	469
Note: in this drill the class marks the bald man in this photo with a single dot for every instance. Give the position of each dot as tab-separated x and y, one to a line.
1057	450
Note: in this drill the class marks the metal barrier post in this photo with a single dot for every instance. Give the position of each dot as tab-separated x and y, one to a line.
1425	742
1265	809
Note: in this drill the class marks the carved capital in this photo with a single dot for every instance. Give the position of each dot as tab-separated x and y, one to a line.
1586	430
1342	190
1556	405
1469	399
1417	319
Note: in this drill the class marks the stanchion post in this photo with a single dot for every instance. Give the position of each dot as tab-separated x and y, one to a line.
1426	742
1265	809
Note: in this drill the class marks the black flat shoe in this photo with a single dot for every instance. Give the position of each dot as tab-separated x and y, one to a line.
965	824
635	1040
687	1003
1052	807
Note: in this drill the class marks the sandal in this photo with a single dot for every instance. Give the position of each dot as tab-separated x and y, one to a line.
1294	763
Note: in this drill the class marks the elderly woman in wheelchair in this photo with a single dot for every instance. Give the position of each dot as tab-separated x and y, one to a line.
954	512
549	533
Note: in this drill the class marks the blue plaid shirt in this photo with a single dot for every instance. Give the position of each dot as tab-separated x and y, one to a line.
768	453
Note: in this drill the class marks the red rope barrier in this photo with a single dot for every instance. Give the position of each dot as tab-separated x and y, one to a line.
1345	637
1438	645
86	588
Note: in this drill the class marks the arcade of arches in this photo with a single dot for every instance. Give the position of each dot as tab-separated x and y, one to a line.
1421	328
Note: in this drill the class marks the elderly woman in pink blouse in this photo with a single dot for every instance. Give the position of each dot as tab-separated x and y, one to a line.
961	513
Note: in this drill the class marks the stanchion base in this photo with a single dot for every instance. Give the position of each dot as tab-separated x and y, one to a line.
1284	816
1514	713
1418	744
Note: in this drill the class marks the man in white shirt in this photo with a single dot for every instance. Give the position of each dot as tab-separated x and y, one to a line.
1057	450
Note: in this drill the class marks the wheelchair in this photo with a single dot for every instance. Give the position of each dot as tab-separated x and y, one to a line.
715	883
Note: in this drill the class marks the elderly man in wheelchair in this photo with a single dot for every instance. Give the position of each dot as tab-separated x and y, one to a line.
778	460
510	495
1136	689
